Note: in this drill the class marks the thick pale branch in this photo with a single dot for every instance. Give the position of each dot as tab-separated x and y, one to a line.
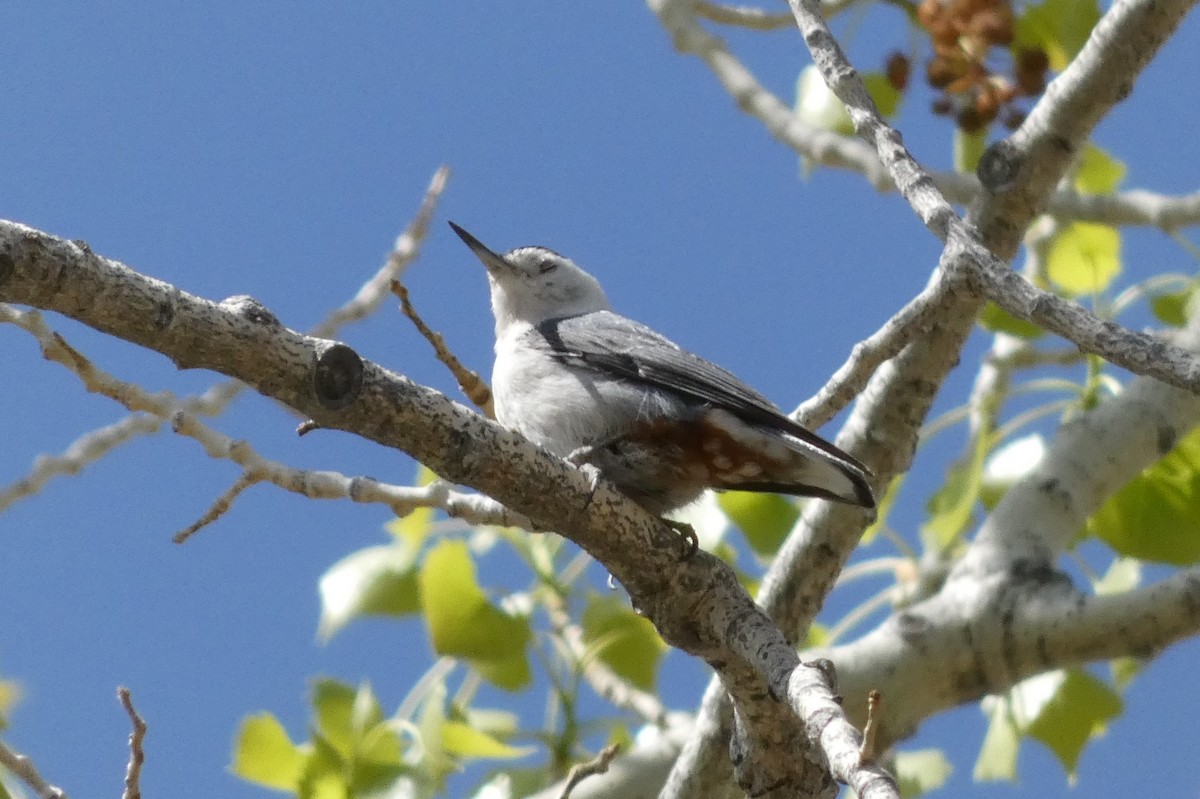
882	431
163	406
697	604
1087	462
980	637
95	444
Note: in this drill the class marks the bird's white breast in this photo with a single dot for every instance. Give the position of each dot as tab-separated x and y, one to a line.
559	406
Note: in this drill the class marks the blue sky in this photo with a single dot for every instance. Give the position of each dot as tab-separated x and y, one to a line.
272	150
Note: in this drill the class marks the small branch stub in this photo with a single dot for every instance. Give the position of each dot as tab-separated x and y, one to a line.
582	771
998	166
251	309
867	753
133	772
337	376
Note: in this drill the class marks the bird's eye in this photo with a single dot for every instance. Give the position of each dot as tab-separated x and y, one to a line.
547	265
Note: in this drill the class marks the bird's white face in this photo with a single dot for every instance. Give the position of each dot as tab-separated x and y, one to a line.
533	284
539	284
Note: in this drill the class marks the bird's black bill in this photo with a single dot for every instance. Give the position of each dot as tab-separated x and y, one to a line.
489	257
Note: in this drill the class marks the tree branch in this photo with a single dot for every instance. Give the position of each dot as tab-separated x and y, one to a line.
23	768
95	444
882	431
697	604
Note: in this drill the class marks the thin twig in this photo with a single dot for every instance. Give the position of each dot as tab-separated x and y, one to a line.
852	377
219	508
874	715
744	16
95	444
581	771
469	381
22	767
402	500
133	773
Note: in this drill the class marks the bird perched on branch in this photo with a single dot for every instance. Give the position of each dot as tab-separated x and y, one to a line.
657	421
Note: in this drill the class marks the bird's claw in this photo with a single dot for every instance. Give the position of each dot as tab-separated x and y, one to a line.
687	536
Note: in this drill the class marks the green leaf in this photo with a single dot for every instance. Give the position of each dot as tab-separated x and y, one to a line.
324	774
886	96
463	740
998	755
333	707
1098	172
414	528
953	505
765	519
1060	27
968	149
1084	258
263	754
1077	712
627	642
1171	309
818	106
998	320
10	694
816	637
884	510
463	623
1124	574
1124	670
1156	516
921	771
375	581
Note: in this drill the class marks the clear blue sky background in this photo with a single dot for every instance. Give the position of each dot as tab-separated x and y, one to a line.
276	150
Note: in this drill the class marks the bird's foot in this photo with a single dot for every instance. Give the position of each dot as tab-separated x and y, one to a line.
687	536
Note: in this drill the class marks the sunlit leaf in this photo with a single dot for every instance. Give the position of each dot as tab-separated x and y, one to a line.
1124	574
465	741
325	776
884	510
765	519
1171	309
886	96
263	754
1060	27
1084	258
10	694
462	622
414	528
921	771
968	149
818	106
952	507
1124	670
333	710
627	642
375	581
998	320
1098	172
1156	516
997	759
1077	712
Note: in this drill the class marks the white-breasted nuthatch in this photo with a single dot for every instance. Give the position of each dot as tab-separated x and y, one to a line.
657	421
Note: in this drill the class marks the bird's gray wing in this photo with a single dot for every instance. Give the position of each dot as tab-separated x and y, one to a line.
620	347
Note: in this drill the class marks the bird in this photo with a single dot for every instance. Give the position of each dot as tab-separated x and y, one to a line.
657	421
